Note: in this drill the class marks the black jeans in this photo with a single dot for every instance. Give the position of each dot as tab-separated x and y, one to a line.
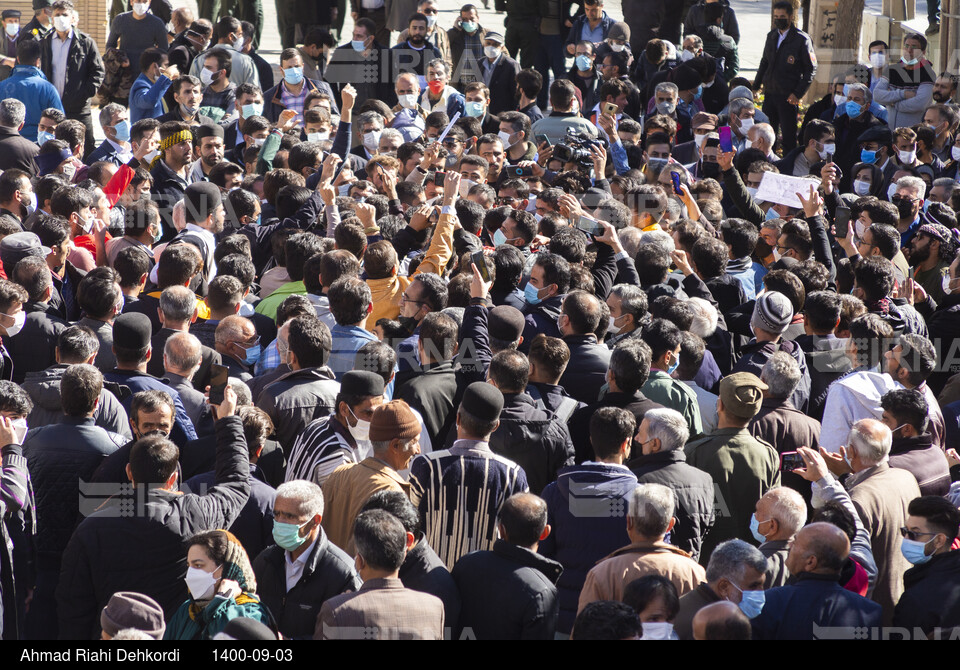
783	116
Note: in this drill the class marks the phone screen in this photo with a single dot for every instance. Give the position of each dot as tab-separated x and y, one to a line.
589	226
477	259
726	139
843	221
675	178
218	383
791	460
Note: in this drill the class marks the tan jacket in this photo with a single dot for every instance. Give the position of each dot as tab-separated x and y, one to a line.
881	496
347	489
387	292
383	610
608	577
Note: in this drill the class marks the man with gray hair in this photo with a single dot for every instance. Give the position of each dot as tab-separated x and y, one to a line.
761	136
369	128
735	573
178	309
660	439
299	573
649	519
15	151
780	513
881	495
779	422
115	121
628	311
181	360
741	113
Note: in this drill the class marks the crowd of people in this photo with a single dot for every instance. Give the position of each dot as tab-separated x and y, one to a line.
418	341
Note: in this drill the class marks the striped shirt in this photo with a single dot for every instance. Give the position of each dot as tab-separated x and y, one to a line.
459	492
323	447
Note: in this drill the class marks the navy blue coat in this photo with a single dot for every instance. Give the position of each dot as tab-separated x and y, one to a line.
815	607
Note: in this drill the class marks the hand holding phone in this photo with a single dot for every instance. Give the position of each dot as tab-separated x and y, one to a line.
589	226
219	375
675	178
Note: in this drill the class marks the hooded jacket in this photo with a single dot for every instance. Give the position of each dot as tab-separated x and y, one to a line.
586	510
533	438
43	387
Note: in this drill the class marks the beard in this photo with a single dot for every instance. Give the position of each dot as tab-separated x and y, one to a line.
919	255
416	40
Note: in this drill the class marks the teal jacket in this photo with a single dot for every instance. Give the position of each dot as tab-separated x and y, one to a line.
214	617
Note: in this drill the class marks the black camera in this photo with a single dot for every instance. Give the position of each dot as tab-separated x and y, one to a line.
575	148
517	171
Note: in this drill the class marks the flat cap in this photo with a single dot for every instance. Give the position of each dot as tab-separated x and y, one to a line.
742	394
14	248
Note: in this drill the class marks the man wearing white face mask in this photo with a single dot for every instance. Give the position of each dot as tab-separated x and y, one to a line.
243	71
71	62
906	88
343	437
135	31
818	143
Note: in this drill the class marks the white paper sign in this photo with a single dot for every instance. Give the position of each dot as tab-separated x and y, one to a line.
782	189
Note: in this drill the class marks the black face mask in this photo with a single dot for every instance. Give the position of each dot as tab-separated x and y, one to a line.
904	207
408	323
781	24
711	170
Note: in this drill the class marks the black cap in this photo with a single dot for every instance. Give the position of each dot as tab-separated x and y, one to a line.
209	130
685	77
132	331
361	383
10	14
201	200
41	4
505	323
482	401
879	134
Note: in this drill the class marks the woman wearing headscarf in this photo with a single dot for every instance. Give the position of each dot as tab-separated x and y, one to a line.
222	587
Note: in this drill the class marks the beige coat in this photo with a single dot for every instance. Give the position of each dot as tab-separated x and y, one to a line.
881	495
608	577
347	489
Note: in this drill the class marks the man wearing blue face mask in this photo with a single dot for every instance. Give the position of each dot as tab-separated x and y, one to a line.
815	602
292	91
854	120
116	126
932	526
735	570
27	84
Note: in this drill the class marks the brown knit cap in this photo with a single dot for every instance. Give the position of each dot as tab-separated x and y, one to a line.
392	420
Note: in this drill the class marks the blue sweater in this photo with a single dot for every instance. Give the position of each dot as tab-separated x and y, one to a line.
146	99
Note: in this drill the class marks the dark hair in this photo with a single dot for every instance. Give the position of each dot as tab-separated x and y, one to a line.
609	428
150	401
80	389
350	238
294	306
630	363
821	310
377	357
438	335
870	335
582	310
812	274
741	235
433	291
789	284
556	270
875	278
153	459
350	299
837	515
550	354
177	265
238	266
336	264
941	514
530	82
678	312
98	296
523	517
642	591
606	620
710	255
906	406
14	399
570	244
380	539
298	249
509	370
131	265
692	349
398	505
310	341
76	344
508	262
662	336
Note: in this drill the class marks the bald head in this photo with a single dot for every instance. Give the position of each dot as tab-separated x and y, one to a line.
523	520
721	621
819	548
181	354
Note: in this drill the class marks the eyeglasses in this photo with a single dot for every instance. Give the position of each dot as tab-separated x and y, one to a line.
913	535
505	201
404	298
782	249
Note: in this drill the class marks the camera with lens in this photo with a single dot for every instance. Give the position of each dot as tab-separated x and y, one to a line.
575	148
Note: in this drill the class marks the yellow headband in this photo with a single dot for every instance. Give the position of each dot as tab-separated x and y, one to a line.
176	138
